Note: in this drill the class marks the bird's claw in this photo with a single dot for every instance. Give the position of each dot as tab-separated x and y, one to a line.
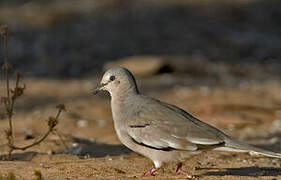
150	172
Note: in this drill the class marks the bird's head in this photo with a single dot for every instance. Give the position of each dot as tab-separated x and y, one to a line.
117	80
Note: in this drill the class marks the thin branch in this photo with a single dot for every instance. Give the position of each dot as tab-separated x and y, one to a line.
33	144
61	139
7	100
52	124
11	97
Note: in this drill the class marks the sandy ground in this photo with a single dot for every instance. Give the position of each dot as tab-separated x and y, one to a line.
57	39
250	112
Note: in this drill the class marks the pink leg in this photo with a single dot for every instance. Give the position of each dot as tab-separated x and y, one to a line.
178	171
150	172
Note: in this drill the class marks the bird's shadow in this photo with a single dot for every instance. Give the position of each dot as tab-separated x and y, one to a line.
96	150
84	148
252	171
25	156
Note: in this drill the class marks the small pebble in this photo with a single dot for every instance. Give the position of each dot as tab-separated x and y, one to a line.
87	156
101	123
74	144
82	123
108	158
275	126
50	152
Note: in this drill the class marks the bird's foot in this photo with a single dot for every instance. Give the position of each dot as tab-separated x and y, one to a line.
179	169
150	172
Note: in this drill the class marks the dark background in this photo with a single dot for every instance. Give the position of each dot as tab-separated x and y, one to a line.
220	60
71	39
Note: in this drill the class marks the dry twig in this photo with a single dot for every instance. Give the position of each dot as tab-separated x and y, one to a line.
12	95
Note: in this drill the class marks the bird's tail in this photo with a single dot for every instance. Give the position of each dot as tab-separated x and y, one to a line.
237	146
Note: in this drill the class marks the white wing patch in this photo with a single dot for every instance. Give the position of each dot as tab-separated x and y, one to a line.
157	144
177	145
229	149
203	141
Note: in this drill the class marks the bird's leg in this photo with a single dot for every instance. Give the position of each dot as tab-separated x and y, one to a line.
179	166
179	170
150	172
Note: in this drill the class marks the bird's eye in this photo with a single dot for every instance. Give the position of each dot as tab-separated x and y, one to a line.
112	78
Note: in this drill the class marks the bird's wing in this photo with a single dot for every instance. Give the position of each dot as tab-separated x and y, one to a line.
161	125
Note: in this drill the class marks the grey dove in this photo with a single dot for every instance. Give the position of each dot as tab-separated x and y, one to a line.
159	131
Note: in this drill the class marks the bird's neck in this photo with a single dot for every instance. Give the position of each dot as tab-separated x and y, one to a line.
121	101
121	94
120	98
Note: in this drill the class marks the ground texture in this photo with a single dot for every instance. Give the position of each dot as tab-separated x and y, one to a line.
249	111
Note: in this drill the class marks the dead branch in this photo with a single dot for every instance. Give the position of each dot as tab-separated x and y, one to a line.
12	95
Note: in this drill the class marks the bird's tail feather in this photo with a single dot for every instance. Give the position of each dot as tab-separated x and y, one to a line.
237	146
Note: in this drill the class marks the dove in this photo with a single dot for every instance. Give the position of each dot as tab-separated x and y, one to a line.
160	131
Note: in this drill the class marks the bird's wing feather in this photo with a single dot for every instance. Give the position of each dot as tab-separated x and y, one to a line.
171	127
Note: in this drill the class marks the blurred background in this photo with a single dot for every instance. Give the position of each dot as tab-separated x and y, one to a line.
218	59
72	39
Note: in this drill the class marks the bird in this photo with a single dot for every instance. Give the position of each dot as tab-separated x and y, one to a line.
160	131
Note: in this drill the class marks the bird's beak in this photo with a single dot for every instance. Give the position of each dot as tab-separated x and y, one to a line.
99	88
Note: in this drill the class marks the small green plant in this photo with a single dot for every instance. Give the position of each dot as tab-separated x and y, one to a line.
38	175
12	94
